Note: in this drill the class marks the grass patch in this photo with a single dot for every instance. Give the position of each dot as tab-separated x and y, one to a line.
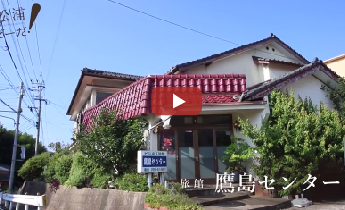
173	198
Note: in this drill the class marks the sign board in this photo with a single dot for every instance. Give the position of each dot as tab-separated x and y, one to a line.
152	161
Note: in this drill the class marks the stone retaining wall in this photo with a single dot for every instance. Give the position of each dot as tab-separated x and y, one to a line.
86	199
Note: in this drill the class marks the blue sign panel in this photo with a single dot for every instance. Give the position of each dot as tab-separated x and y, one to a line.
154	161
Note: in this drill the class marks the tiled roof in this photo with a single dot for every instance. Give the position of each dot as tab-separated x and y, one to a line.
209	59
135	99
259	59
101	74
114	75
266	87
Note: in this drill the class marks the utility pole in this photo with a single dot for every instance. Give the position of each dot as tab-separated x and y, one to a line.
38	123
14	152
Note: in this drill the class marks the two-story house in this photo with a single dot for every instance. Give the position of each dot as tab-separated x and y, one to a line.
93	87
234	84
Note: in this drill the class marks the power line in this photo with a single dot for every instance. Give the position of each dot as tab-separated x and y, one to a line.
14	42
191	29
7	105
8	49
172	23
26	41
56	38
3	73
38	50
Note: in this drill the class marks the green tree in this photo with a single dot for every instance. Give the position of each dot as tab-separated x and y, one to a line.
34	167
297	140
24	139
59	147
337	96
112	142
6	148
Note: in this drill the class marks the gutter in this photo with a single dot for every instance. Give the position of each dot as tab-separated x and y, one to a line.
234	104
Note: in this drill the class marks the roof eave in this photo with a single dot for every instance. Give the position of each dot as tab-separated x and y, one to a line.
85	73
210	59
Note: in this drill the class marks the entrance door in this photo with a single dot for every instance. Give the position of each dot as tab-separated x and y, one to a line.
205	155
196	154
201	152
187	154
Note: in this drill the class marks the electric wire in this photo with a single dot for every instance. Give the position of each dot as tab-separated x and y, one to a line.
8	105
191	29
8	49
26	41
56	39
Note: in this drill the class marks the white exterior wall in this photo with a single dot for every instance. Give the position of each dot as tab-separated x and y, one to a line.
244	64
310	87
279	70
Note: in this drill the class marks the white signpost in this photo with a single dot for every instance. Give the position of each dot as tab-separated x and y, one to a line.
152	162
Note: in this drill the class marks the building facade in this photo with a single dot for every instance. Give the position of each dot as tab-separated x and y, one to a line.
235	84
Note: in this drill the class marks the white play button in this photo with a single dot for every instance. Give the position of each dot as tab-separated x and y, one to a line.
177	101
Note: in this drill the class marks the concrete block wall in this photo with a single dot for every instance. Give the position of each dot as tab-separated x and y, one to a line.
87	199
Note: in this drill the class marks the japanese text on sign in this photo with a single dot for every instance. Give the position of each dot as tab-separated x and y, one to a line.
225	183
152	161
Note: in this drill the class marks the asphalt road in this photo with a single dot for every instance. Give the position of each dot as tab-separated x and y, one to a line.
327	205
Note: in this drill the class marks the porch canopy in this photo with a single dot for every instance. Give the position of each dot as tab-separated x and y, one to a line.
135	100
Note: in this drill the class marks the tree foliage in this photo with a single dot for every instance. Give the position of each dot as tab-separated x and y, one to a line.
59	147
337	96
34	167
85	172
237	154
112	142
24	139
296	141
6	148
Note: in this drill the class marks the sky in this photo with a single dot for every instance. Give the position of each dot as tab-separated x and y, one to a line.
112	37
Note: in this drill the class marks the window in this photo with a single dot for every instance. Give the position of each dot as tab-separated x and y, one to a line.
100	96
167	141
205	120
223	138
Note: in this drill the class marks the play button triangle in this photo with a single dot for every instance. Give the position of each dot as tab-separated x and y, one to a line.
177	101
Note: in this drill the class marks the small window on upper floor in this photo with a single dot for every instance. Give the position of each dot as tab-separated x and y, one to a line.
100	96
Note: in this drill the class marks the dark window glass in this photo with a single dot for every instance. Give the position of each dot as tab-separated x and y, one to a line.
181	120
185	138
223	138
100	96
214	119
221	120
205	138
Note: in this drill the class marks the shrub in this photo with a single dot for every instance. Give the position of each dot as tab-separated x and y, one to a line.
34	167
172	199
87	173
63	167
81	170
297	140
49	172
100	178
133	182
112	142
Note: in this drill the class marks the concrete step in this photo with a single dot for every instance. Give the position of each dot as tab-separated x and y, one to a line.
252	203
208	200
213	190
